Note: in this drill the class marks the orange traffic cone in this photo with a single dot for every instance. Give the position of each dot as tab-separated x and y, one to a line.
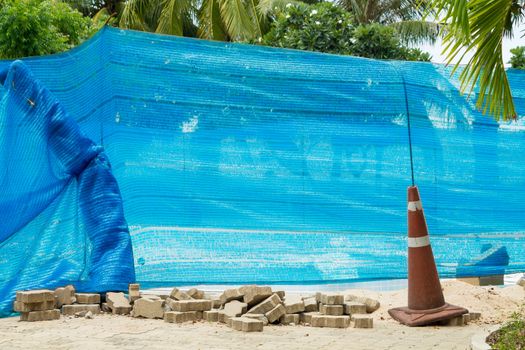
426	303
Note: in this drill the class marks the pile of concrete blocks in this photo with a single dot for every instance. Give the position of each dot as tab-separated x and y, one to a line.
248	308
340	311
41	305
189	306
36	305
45	304
77	304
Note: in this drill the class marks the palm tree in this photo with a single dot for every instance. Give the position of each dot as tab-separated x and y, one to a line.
232	20
479	26
406	16
226	20
174	17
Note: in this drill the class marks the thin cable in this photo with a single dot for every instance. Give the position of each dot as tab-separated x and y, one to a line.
408	124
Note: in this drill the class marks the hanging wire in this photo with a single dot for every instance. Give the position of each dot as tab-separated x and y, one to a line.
407	112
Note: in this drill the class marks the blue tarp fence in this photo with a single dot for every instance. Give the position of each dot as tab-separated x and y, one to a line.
239	164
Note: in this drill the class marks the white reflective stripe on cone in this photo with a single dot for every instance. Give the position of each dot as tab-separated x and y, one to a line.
417	242
413	206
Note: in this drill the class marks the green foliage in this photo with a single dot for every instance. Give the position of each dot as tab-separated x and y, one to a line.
322	27
511	336
379	41
414	54
376	41
39	27
518	57
327	28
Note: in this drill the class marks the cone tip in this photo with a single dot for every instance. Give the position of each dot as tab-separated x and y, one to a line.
413	194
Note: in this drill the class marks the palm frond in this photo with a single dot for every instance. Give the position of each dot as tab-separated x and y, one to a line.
478	26
260	22
173	15
417	32
236	20
211	26
101	15
359	8
134	13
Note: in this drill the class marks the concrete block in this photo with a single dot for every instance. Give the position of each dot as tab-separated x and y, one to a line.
150	295
177	294
222	317
292	319
75	308
211	315
231	294
330	321
133	292
294	305
281	294
332	310
353	307
246	324
87	298
332	299
118	303
363	321
104	307
148	308
254	294
266	305
259	317
474	316
35	296
306	317
456	321
494	280
181	317
310	305
371	304
19	306
189	305
196	293
235	308
65	296
275	314
46	315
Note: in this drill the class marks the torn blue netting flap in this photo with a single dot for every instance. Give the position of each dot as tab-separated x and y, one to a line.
61	216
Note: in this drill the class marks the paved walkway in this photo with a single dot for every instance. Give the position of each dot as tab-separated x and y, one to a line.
119	332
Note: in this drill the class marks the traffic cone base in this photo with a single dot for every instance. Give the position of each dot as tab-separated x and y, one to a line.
414	318
426	303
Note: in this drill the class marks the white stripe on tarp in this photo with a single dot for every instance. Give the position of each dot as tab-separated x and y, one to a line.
417	242
413	206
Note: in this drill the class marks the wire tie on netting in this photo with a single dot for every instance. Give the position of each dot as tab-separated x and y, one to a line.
32	103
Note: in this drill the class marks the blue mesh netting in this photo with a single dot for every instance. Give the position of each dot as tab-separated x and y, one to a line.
242	163
61	210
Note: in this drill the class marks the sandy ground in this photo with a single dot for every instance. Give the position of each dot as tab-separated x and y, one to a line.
120	332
